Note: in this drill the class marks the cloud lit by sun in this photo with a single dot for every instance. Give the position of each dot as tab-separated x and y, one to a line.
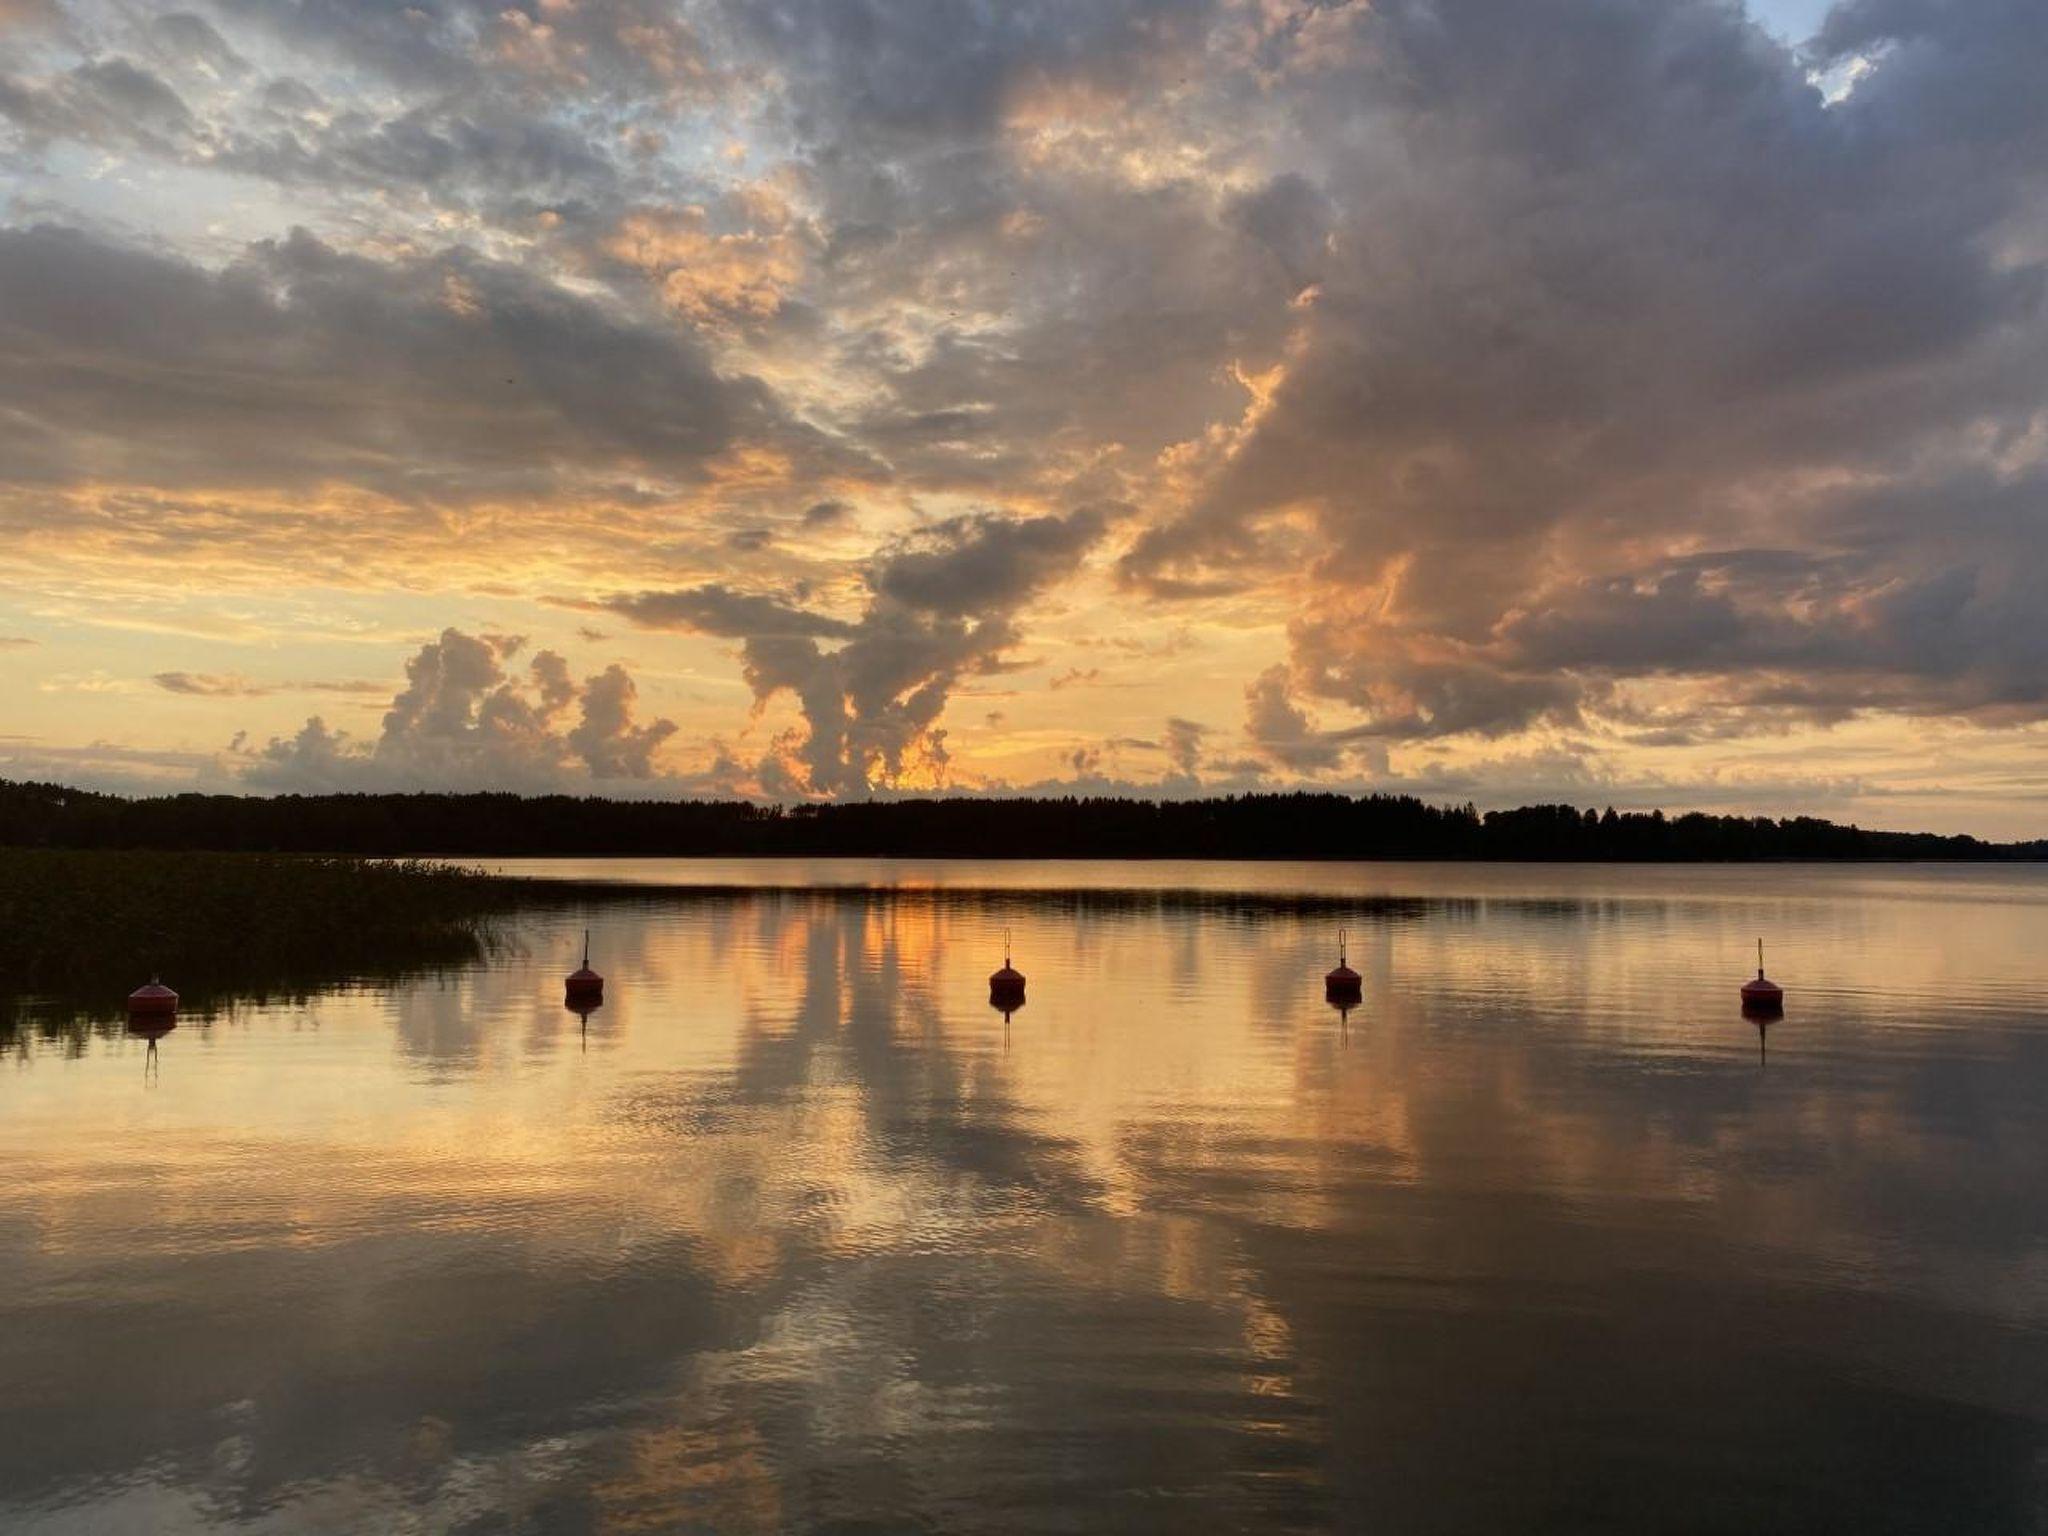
1485	399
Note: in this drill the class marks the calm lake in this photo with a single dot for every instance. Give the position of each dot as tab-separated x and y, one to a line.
796	1233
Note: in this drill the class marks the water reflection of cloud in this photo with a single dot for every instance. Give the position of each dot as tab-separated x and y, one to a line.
799	1241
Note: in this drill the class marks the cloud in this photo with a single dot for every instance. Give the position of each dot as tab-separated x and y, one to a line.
1607	289
484	157
710	275
1184	746
981	564
232	685
1509	370
718	610
467	720
30	16
16	642
925	72
1281	730
208	685
115	767
185	39
298	364
113	102
943	603
615	50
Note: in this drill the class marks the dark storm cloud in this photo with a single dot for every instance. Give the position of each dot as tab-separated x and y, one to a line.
1610	281
447	375
943	604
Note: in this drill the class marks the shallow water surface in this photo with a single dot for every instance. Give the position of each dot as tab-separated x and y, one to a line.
797	1233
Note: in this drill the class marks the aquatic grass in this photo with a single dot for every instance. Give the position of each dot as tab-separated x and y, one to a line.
79	929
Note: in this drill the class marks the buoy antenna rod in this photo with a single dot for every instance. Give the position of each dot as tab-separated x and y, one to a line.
1341	937
1759	956
586	949
1006	946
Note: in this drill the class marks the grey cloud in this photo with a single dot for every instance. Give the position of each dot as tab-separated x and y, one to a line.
1050	287
111	766
414	46
291	99
497	112
1606	285
617	50
718	610
31	16
1971	72
983	563
1601	349
467	720
113	102
610	744
486	155
1184	746
1829	635
208	685
943	605
924	71
1280	729
232	685
190	40
447	375
1109	286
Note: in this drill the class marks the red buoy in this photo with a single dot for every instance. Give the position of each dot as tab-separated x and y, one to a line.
1008	981
1343	982
584	986
155	1001
1762	995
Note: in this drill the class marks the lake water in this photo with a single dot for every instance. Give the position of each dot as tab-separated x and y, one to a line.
796	1233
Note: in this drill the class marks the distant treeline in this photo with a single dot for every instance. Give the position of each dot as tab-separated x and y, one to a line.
1278	826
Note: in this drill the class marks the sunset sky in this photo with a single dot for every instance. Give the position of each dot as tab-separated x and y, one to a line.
1639	402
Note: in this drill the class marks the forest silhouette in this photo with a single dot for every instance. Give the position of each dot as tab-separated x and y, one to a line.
1300	825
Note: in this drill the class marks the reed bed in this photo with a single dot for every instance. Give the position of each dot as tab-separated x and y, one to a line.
79	929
